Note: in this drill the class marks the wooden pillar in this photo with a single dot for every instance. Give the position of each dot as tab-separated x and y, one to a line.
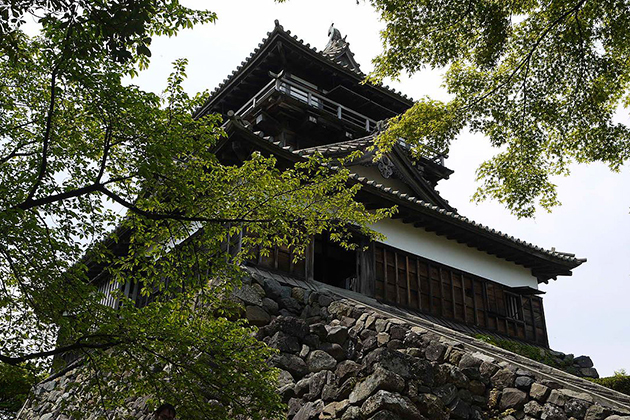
366	269
418	284
408	281
396	277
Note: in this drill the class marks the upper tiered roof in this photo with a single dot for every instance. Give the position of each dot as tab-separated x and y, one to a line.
334	67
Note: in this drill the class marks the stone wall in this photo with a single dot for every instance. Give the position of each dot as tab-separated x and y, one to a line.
342	358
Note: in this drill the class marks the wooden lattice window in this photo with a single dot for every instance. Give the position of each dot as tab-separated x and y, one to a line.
513	306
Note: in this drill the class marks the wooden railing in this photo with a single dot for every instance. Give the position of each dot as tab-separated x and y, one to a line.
318	101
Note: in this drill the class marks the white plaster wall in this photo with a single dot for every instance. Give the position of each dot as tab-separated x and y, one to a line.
437	248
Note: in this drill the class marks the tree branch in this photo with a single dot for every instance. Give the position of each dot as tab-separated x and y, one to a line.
78	345
529	55
172	216
46	143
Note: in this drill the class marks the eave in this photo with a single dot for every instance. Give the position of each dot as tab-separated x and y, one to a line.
281	39
544	264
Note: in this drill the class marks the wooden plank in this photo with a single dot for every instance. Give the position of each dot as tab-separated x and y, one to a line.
463	281
396	277
450	276
544	323
291	265
441	291
419	284
485	302
309	266
371	277
430	288
531	314
472	287
384	274
408	281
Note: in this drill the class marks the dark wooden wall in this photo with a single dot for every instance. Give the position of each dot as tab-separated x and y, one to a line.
410	281
280	259
397	277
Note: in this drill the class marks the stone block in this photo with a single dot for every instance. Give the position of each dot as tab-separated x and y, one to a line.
310	410
431	407
435	352
285	343
533	408
557	398
248	295
576	408
539	392
257	316
352	413
552	412
320	360
583	361
337	335
596	412
589	372
333	410
504	378
381	379
291	363
397	404
524	382
512	398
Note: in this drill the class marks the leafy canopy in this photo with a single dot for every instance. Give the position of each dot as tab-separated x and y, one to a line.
543	80
77	145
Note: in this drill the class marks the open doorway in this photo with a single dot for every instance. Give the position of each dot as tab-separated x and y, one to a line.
333	264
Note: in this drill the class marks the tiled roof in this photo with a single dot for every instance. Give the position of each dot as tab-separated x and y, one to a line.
338	49
559	256
555	254
338	148
279	29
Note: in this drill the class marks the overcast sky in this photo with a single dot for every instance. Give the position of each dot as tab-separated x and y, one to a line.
587	313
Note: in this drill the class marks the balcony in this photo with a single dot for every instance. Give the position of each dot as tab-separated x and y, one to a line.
298	91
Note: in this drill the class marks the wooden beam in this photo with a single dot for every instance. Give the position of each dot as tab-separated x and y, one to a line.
544	322
396	277
418	284
430	288
484	293
453	293
472	286
408	281
533	318
441	291
384	274
463	282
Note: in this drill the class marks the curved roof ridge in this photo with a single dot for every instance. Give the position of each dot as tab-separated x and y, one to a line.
279	29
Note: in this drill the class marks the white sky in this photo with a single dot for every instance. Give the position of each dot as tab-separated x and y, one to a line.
587	313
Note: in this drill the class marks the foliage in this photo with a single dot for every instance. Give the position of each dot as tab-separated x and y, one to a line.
620	381
531	352
15	384
542	80
77	145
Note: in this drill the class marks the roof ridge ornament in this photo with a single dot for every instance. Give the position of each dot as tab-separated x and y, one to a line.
338	49
334	34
